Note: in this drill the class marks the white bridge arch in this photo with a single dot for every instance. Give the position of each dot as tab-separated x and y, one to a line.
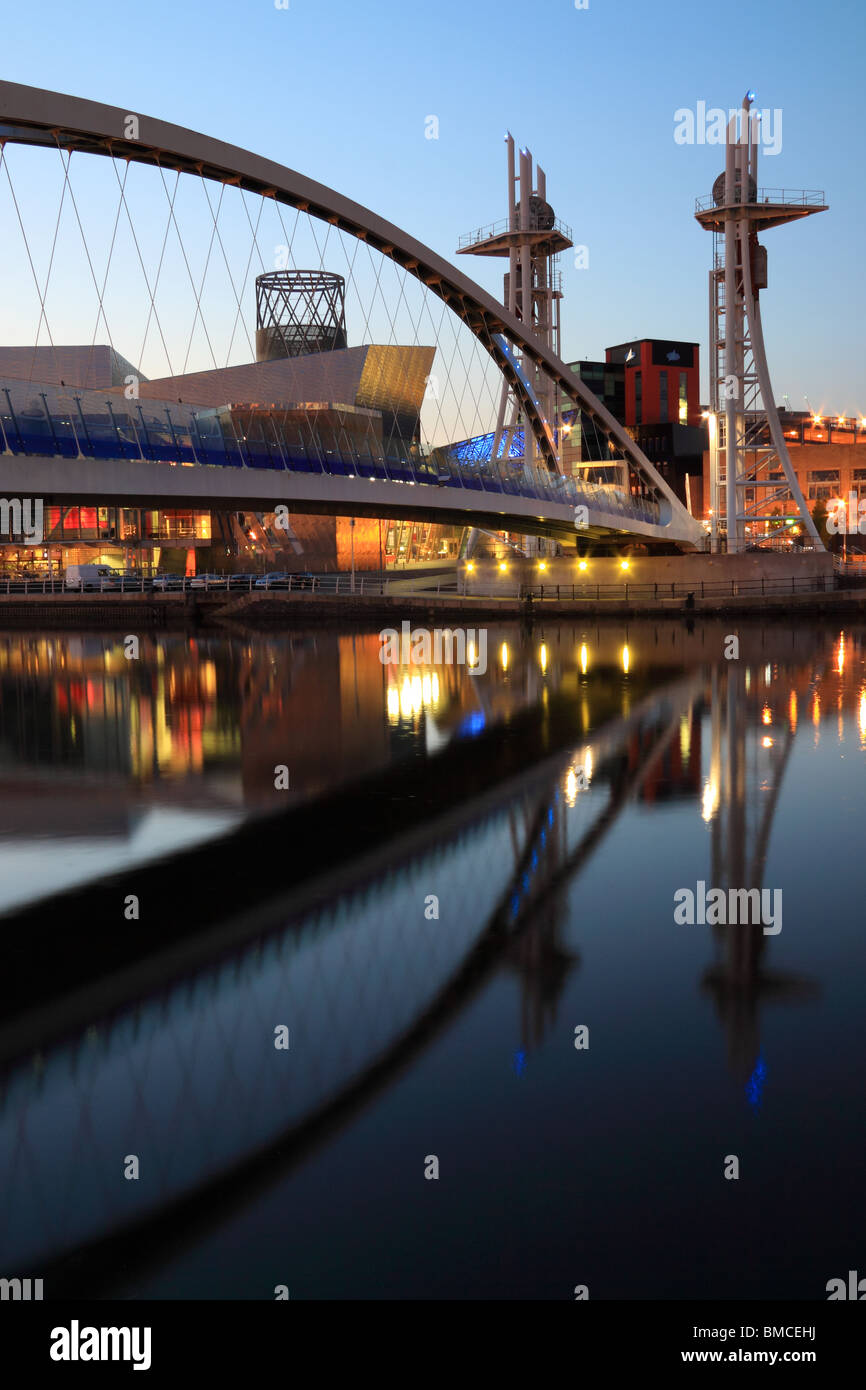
31	116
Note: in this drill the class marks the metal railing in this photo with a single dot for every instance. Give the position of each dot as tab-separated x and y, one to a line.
50	584
336	584
492	229
852	565
192	438
775	197
731	588
344	586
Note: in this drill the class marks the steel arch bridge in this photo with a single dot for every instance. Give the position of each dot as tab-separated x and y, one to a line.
539	500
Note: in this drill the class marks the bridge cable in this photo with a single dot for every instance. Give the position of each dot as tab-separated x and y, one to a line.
40	295
203	278
99	296
152	312
253	247
198	313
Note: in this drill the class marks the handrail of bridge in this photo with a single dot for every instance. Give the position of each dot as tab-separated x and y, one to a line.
88	424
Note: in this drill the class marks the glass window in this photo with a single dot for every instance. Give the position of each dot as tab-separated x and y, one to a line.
638	398
684	399
663	395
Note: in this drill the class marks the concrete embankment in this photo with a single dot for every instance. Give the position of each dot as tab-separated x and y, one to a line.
269	609
179	611
127	611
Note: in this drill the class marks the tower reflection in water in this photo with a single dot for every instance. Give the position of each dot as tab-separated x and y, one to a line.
658	725
753	724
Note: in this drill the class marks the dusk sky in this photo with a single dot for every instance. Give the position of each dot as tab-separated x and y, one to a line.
343	92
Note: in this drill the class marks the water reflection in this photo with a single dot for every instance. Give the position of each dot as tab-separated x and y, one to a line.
353	1028
672	733
198	724
747	768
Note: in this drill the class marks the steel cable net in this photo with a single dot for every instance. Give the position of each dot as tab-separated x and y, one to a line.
138	284
162	267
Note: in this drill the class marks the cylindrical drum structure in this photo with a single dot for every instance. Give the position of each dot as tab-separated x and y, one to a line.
298	312
719	190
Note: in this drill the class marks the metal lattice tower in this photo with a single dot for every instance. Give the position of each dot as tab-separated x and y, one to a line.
531	238
759	481
299	312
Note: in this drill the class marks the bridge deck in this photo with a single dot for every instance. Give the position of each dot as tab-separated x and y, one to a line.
199	459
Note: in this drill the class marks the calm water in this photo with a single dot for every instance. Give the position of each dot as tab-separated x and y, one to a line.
549	809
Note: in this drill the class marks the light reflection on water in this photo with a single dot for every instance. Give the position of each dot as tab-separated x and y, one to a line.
556	904
106	761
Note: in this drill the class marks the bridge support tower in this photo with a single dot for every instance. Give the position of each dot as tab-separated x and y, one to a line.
753	486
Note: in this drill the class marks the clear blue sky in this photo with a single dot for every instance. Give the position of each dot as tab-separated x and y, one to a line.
341	90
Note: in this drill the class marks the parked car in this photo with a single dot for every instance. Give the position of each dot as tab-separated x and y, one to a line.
279	579
127	580
276	579
168	581
209	581
243	581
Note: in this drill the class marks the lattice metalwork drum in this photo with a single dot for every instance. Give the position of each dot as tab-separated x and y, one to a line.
298	312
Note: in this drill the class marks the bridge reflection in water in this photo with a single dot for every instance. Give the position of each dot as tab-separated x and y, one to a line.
188	1078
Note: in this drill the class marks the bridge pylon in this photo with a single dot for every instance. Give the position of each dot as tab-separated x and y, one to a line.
753	486
532	239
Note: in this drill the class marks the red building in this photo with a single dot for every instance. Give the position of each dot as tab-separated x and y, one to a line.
662	381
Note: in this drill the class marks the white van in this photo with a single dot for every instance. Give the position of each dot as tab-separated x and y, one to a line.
87	576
